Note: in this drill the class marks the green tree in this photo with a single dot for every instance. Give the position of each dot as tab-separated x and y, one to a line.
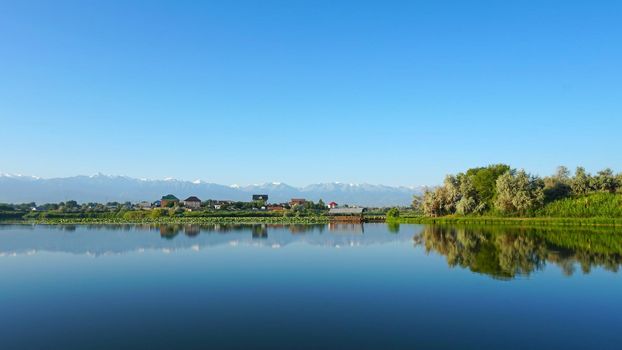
321	204
433	202
581	183
557	186
519	192
484	181
605	181
393	213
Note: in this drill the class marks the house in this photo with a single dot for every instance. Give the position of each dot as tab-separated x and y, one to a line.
169	201
260	197
192	202
143	205
275	207
297	201
218	204
332	205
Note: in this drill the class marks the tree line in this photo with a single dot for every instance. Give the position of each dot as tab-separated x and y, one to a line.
499	189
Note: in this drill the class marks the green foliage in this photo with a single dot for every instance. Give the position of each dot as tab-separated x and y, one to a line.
466	193
393	213
519	193
484	181
135	215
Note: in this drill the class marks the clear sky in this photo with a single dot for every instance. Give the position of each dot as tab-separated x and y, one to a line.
392	92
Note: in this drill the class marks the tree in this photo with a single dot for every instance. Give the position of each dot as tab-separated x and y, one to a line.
321	204
393	213
605	181
562	174
581	183
417	202
468	202
557	186
452	193
519	192
434	202
484	181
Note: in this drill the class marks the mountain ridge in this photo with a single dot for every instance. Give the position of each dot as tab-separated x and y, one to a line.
108	188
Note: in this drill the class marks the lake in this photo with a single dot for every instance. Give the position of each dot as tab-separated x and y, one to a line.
372	286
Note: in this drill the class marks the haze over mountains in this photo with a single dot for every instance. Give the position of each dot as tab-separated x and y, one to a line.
103	188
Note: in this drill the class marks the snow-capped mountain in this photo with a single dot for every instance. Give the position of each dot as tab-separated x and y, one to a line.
104	188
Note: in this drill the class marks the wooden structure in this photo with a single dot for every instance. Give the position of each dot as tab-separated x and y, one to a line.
346	214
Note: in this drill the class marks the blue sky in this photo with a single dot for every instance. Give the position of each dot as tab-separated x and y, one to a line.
398	92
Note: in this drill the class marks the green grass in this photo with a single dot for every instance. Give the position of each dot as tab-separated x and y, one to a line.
606	205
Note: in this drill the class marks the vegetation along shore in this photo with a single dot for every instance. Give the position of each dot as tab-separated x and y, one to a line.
492	195
498	194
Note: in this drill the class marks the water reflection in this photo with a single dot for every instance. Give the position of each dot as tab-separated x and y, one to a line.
500	252
117	239
506	253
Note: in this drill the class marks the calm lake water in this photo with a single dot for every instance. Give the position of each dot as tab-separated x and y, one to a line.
372	286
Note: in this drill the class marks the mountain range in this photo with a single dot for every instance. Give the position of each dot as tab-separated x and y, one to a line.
104	188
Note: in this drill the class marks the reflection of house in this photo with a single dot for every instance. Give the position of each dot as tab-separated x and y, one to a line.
297	201
346	227
192	203
168	201
332	205
260	197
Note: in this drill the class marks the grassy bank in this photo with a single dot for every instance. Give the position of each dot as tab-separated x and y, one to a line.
597	205
527	222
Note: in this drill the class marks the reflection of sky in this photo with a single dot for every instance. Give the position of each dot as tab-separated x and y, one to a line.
101	240
210	292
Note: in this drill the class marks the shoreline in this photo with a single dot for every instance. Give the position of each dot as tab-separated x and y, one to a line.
510	221
481	221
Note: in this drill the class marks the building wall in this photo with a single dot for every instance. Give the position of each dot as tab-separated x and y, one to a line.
193	205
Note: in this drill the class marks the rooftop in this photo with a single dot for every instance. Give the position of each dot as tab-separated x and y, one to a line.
344	211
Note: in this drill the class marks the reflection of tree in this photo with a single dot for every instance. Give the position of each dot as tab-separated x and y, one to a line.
259	231
505	252
169	231
393	227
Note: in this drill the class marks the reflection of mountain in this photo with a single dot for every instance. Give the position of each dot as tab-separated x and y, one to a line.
117	239
507	252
